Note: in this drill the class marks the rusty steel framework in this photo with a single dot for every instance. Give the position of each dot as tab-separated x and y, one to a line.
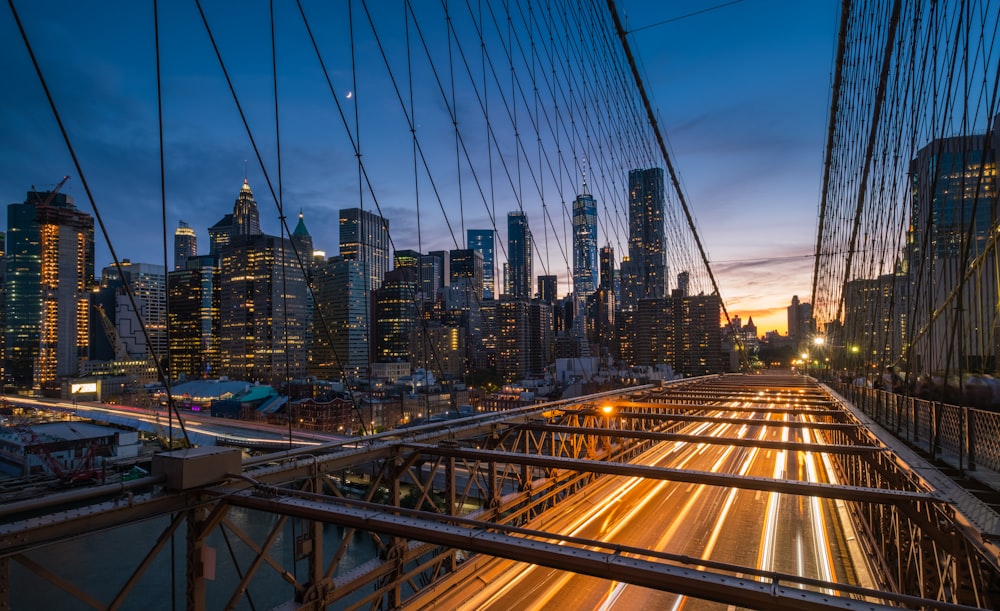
422	501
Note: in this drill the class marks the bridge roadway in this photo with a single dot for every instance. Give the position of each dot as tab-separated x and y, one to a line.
750	491
808	537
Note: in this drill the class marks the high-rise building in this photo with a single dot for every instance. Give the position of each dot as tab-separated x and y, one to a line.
218	234
482	240
518	256
342	329
246	219
264	311
602	304
699	346
364	237
548	288
954	184
467	270
513	339
185	245
682	332
193	301
431	277
585	264
50	271
394	315
409	259
647	249
800	321
147	284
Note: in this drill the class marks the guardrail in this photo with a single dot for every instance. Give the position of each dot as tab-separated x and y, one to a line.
972	435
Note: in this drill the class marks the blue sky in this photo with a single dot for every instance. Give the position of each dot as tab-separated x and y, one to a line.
741	91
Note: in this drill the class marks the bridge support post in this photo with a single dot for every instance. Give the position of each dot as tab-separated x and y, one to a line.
970	437
195	565
4	584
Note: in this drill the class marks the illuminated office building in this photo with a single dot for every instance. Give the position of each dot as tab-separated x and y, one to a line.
644	276
49	273
585	266
342	329
364	237
264	310
185	245
482	241
518	280
194	319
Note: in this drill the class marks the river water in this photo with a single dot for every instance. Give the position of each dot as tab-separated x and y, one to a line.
101	564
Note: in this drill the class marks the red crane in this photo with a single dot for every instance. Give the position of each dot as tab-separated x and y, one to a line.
83	472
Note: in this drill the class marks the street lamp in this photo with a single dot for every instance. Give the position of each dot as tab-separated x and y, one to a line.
805	358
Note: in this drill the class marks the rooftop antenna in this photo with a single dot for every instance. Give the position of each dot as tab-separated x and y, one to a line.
585	174
244	170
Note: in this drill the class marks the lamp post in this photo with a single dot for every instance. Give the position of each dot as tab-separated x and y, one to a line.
805	359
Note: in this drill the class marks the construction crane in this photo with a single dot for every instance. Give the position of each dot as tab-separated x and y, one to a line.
52	193
122	356
83	472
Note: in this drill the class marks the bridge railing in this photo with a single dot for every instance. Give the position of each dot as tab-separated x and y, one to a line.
970	437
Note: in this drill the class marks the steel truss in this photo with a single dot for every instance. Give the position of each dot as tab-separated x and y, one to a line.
423	500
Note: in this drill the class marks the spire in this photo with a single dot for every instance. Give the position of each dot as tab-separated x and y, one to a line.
300	228
585	175
246	220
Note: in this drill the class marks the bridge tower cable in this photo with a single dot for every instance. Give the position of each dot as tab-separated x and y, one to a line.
831	133
129	293
651	116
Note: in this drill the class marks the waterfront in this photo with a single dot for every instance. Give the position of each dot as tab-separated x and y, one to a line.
101	564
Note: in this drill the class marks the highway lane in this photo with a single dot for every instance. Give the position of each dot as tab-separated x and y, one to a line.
775	532
205	428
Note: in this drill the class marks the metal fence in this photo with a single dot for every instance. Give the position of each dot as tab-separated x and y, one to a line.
969	435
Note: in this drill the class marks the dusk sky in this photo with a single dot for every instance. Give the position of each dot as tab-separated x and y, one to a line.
742	92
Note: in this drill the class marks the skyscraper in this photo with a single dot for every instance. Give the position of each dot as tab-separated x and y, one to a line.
646	276
364	237
246	219
218	234
953	213
482	240
518	256
263	303
395	315
341	340
547	289
50	270
467	271
185	245
147	284
194	318
584	248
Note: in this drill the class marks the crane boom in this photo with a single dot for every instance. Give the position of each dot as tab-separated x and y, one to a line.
121	355
52	193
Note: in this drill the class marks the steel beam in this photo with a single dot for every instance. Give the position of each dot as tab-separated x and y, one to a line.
707	439
829	491
708	585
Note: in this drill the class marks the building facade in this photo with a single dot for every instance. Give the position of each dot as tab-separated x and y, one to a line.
482	241
194	319
585	262
646	276
518	281
364	237
49	273
264	313
185	245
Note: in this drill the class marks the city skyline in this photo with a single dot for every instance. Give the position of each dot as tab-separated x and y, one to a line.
757	272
